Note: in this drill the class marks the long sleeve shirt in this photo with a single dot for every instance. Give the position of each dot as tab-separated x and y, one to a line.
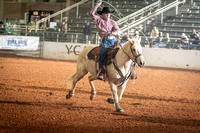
104	26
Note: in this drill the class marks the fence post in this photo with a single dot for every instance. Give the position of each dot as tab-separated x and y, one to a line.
161	18
61	16
77	10
42	45
97	39
57	37
44	24
177	7
92	3
191	2
76	38
72	37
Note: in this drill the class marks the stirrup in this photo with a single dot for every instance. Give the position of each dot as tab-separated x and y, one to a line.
100	75
99	71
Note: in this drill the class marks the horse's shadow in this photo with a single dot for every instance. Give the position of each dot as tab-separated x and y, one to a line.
123	116
161	120
42	104
108	94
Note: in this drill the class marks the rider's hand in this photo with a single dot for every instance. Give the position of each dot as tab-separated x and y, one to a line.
99	2
113	33
109	34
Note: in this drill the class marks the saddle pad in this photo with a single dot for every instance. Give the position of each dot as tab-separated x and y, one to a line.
110	54
93	52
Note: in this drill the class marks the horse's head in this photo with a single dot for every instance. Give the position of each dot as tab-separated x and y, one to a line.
136	51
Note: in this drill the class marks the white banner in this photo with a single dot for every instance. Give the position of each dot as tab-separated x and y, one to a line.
19	42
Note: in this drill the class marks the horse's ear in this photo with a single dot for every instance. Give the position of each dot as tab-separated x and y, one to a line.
139	38
130	40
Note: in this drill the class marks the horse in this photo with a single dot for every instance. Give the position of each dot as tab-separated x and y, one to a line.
124	58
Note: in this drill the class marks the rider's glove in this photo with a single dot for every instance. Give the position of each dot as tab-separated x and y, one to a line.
99	2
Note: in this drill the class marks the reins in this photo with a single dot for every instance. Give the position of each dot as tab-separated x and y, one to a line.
127	76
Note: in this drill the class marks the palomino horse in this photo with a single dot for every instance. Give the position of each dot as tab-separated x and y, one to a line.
130	52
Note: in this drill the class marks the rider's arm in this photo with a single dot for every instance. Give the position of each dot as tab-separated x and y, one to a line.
95	17
115	30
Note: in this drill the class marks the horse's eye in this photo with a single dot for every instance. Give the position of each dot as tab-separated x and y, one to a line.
133	50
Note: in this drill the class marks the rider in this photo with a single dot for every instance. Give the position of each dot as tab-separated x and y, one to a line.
107	29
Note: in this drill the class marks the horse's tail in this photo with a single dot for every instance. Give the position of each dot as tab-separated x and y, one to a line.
65	84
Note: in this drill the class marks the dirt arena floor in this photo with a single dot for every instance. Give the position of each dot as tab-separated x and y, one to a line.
33	99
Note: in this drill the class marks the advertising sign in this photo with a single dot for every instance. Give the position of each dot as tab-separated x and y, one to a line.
19	42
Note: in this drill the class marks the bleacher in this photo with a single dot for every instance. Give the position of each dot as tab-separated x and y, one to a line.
187	20
184	22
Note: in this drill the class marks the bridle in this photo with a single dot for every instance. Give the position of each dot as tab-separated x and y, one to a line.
132	51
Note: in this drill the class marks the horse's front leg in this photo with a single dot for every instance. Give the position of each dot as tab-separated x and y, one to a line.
93	90
120	91
115	98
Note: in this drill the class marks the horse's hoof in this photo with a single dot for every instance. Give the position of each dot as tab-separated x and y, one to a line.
110	100
92	97
69	95
120	110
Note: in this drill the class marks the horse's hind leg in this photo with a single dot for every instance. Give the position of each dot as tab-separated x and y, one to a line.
75	78
93	90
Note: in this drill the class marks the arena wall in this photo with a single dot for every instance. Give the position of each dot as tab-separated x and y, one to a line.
62	51
172	58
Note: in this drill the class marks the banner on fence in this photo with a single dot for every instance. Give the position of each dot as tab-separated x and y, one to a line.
19	42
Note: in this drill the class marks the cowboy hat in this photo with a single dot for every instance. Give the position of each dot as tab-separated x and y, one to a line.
105	10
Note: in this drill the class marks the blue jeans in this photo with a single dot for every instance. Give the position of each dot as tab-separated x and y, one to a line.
87	38
103	50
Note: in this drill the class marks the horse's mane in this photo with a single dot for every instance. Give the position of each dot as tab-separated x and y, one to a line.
129	41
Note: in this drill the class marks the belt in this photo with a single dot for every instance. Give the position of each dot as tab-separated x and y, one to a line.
109	37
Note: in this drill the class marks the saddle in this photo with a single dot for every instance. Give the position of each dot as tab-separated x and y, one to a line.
94	54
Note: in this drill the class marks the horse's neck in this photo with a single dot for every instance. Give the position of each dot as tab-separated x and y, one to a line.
121	58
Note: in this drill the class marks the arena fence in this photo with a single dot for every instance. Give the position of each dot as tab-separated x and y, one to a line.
155	56
56	38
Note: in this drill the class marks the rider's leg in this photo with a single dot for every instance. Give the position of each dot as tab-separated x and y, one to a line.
102	55
103	51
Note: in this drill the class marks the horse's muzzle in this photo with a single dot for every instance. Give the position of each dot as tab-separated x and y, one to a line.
141	64
140	61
